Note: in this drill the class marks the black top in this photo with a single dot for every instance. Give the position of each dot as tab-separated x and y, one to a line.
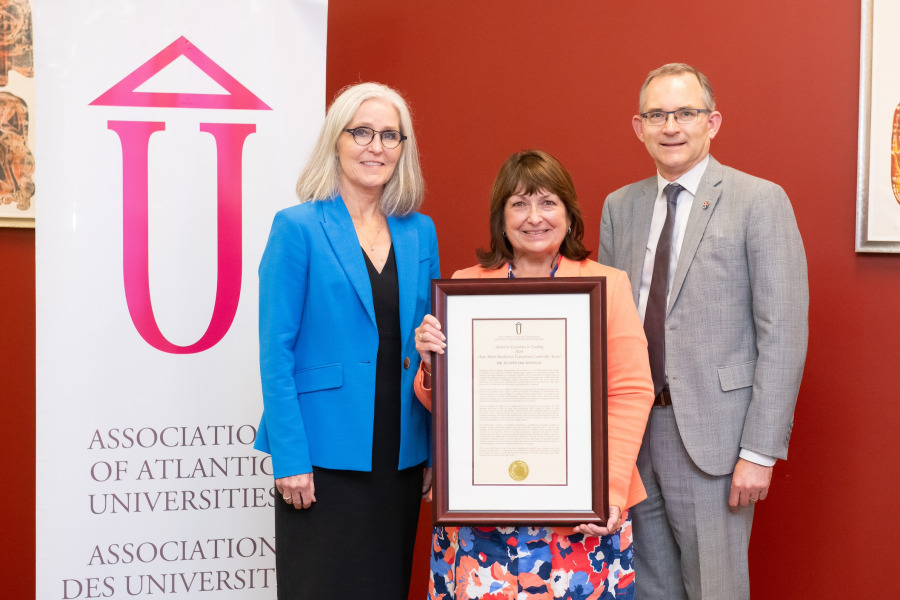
386	297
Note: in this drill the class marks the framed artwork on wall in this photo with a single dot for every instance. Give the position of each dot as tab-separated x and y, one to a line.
16	116
878	166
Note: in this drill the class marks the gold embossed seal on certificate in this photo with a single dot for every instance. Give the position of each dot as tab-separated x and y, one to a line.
518	470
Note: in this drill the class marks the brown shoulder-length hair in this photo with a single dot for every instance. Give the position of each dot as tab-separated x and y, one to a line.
528	172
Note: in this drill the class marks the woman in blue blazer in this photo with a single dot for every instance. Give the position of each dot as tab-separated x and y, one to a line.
344	280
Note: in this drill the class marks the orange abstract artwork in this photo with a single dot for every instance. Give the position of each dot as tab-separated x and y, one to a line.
16	45
895	155
16	160
16	54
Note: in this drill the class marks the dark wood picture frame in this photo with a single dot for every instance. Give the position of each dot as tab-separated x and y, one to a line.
595	289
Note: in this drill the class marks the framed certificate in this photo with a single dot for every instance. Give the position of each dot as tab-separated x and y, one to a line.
519	402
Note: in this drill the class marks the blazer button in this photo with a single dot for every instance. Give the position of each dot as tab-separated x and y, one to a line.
406	363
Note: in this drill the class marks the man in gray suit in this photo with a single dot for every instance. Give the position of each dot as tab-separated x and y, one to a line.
719	276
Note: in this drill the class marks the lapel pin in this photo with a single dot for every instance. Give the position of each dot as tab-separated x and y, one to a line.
706	205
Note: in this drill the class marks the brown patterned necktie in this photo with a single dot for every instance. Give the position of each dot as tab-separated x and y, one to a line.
655	313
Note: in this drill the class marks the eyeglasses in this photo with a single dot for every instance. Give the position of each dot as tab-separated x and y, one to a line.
684	116
364	136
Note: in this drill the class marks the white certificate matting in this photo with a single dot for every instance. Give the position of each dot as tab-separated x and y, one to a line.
570	488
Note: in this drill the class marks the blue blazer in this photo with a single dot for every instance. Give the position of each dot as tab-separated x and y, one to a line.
318	339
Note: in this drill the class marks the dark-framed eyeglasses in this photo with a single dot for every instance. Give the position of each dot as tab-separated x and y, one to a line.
684	116
363	136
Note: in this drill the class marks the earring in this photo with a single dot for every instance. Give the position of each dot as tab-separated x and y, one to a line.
569	230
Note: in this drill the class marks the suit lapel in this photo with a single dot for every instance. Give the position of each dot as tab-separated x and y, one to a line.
643	215
339	228
708	193
406	253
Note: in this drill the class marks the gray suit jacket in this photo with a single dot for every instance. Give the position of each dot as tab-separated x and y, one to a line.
736	323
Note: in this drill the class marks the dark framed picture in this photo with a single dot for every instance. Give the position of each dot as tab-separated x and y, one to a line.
519	402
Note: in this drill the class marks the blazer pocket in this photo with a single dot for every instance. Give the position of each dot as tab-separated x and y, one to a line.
319	378
723	252
734	377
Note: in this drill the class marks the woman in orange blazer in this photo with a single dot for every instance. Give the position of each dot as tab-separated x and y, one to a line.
536	231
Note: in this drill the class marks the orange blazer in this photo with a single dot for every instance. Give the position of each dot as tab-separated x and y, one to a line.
630	388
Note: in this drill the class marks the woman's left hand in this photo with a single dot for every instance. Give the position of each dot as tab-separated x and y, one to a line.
612	525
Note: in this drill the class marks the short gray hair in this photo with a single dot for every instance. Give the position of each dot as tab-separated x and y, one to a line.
321	178
679	69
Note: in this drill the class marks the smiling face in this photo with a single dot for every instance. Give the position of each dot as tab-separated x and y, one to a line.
366	169
535	224
675	147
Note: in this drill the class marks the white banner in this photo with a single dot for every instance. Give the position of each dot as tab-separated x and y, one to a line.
169	132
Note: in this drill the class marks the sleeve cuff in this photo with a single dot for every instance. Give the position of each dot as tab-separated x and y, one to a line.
756	457
422	393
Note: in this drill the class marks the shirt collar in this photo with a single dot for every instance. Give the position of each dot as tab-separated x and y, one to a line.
690	181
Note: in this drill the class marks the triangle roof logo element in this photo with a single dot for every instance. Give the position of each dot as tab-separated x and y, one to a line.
124	94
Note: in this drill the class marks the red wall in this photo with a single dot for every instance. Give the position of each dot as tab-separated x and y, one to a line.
17	414
486	79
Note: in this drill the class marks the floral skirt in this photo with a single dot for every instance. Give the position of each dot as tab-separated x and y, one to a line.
530	563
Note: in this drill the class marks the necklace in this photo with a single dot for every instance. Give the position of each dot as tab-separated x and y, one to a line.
371	243
555	263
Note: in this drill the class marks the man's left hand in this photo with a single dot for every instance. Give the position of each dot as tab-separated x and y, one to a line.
749	484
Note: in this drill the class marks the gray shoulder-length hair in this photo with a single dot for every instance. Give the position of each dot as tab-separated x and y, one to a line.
321	178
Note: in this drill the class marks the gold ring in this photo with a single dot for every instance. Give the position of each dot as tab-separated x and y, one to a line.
287	498
421	337
753	499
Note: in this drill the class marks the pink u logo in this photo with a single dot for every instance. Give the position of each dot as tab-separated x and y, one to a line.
135	139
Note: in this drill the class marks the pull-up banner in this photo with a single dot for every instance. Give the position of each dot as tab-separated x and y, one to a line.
169	132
